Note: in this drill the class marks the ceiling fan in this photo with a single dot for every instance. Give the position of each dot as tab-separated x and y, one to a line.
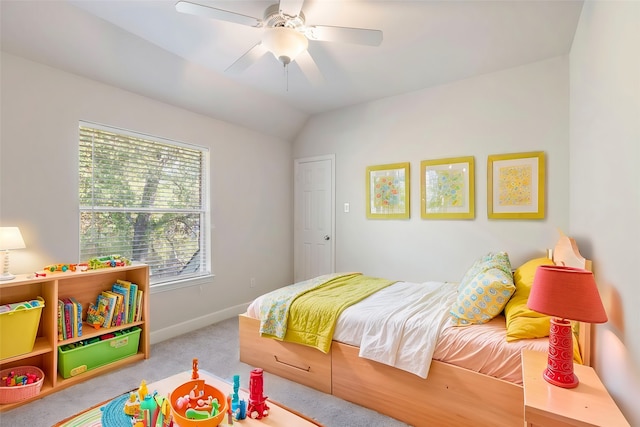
286	34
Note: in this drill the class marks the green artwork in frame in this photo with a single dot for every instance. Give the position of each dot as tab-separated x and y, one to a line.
447	188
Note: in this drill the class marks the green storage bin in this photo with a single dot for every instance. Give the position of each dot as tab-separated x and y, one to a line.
74	361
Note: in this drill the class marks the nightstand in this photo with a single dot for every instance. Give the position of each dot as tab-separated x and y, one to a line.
546	405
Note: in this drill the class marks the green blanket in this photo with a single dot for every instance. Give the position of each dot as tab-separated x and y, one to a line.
313	315
274	309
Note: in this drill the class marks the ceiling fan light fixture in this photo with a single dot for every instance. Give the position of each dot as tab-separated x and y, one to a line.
284	43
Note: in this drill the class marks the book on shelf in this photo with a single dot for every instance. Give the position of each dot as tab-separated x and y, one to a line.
77	320
111	304
96	312
73	315
138	314
133	296
119	289
118	308
61	330
68	313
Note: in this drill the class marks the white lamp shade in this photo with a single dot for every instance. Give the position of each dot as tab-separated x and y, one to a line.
285	43
10	238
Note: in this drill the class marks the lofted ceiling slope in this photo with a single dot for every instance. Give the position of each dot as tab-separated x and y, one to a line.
148	48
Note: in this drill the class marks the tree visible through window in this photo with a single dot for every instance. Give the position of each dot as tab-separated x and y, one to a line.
144	198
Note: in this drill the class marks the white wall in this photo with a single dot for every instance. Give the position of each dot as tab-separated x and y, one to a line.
251	186
605	182
516	110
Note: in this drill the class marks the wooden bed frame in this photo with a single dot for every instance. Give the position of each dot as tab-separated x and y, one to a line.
449	396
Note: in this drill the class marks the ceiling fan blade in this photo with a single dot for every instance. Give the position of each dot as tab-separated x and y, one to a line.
246	60
309	67
213	13
344	34
291	7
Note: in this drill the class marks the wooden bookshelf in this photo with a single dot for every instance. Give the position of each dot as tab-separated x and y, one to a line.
84	286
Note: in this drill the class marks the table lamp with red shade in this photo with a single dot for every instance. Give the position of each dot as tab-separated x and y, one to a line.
566	293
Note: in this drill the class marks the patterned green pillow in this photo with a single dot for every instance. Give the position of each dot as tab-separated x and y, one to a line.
491	260
483	298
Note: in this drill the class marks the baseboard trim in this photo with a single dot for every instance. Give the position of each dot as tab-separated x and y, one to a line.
197	323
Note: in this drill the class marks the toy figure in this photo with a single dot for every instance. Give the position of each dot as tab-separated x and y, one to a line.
142	390
258	407
132	406
194	372
237	406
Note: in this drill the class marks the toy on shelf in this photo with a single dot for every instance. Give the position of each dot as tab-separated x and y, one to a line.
83	266
13	379
56	267
24	305
64	267
258	407
108	261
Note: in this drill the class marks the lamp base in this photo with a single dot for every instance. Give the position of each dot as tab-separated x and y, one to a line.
5	268
559	370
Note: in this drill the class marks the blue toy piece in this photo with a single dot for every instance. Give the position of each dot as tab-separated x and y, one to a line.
238	407
242	414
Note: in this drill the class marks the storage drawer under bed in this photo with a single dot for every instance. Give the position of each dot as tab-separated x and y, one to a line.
304	365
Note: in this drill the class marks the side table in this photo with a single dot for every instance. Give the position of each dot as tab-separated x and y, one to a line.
546	405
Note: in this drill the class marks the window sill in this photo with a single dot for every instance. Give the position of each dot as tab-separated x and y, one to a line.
178	284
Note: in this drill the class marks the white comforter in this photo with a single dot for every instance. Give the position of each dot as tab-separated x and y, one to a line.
398	326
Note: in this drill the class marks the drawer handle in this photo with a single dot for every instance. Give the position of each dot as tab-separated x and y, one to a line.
307	369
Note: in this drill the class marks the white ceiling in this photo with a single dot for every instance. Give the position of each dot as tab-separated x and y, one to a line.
149	48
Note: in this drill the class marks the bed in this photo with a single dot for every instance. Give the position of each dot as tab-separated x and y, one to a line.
464	383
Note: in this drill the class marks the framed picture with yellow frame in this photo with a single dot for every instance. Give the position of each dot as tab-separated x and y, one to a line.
516	186
447	188
388	191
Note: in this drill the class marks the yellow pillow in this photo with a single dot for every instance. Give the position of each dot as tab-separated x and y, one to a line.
523	322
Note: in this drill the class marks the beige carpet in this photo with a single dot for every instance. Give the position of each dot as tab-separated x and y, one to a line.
216	347
91	417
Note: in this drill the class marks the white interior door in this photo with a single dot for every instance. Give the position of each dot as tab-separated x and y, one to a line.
314	217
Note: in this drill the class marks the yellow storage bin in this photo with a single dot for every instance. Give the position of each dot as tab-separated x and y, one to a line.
19	327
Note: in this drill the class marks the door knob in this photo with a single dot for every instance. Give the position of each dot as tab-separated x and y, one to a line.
326	237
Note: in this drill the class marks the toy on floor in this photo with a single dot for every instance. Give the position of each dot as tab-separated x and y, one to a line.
132	406
194	369
238	407
147	410
258	407
197	404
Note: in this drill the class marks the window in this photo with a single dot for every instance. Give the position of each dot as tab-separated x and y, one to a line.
144	198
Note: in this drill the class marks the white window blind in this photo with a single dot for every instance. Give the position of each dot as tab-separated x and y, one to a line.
144	198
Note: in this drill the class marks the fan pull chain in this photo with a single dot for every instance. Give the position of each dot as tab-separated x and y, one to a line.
286	76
